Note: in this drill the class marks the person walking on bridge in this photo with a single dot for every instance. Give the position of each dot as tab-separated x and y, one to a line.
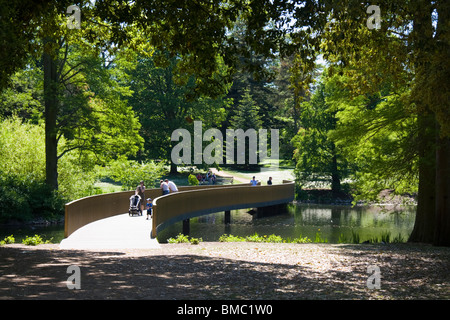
140	190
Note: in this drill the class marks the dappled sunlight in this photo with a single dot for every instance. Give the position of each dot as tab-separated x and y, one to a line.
228	271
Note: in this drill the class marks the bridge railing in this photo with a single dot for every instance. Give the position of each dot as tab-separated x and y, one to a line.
82	211
179	206
190	202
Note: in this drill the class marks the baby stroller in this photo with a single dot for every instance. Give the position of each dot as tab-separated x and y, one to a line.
135	206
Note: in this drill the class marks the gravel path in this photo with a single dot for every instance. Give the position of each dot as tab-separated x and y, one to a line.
214	270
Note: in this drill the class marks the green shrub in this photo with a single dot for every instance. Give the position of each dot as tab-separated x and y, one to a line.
230	238
8	240
23	199
33	241
195	240
301	240
193	181
319	237
355	237
24	194
342	238
180	238
274	239
257	238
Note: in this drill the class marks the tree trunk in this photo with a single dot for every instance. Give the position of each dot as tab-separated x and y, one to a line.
442	229
51	110
442	226
422	36
424	224
173	168
335	175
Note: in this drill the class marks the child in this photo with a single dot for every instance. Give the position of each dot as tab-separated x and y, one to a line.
149	207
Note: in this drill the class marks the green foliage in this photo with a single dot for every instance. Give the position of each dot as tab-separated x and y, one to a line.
378	135
22	148
230	238
319	162
342	238
193	181
8	240
299	240
266	239
246	116
384	238
165	100
355	237
33	241
195	240
130	172
24	194
181	238
22	97
319	237
24	199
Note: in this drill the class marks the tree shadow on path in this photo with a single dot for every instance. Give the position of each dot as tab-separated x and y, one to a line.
42	274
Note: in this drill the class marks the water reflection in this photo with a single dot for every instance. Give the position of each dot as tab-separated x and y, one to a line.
54	233
332	222
299	220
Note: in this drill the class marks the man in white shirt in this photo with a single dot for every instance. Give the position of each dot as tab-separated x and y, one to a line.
172	186
164	187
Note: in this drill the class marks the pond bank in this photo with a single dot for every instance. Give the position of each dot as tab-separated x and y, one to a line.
326	196
228	271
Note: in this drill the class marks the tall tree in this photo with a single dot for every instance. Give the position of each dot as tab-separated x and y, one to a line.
412	42
165	99
247	117
317	156
91	115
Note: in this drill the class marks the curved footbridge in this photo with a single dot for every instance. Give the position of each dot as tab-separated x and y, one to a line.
100	222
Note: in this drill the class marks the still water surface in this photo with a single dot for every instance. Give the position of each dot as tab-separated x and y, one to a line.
299	220
305	221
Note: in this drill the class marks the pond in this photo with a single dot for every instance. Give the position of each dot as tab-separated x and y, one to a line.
332	222
54	233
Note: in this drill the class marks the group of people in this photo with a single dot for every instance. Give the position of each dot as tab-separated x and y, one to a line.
254	182
169	187
210	178
166	187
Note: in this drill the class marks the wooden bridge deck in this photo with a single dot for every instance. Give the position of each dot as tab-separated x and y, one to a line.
100	222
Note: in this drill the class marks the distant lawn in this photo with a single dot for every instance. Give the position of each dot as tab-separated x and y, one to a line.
107	187
278	174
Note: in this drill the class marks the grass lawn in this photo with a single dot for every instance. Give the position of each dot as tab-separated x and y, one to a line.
269	169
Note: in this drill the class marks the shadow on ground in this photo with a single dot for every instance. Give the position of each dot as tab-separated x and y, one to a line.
42	274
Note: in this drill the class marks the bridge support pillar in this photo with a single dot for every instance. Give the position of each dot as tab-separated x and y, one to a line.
227	217
271	210
186	227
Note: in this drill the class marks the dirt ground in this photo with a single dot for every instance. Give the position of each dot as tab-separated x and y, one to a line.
210	271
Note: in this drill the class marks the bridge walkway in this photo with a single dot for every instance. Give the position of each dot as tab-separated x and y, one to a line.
116	232
99	222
